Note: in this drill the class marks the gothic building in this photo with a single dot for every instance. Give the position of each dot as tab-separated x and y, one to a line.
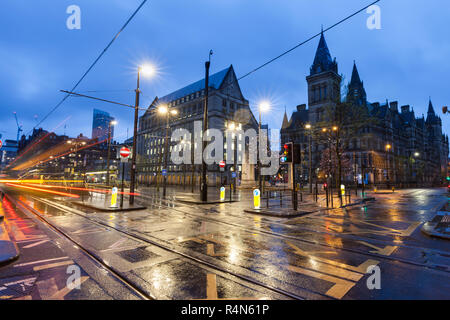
395	147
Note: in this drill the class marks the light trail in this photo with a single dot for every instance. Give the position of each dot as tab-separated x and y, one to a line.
89	189
36	181
71	195
29	147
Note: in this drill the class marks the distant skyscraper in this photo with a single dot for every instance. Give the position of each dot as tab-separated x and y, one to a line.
100	123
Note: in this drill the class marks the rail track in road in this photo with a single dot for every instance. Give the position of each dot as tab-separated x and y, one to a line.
136	287
275	234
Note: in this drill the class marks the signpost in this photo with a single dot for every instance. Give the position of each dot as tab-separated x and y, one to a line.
257	199
124	155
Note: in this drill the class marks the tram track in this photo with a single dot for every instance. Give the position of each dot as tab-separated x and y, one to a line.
274	234
135	287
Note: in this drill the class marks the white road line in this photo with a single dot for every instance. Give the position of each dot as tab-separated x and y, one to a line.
39	261
35	244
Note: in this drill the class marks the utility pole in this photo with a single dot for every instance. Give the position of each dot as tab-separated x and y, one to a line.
204	186
166	152
133	159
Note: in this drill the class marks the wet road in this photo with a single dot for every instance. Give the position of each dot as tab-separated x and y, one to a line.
178	251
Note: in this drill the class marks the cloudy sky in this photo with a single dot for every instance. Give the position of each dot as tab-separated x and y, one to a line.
408	60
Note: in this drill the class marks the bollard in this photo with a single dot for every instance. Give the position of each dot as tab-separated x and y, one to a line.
301	196
222	193
257	199
267	199
281	199
113	198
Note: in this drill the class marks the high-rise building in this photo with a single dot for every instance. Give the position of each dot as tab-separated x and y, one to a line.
100	125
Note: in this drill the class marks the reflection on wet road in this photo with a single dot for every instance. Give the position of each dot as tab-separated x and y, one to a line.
179	251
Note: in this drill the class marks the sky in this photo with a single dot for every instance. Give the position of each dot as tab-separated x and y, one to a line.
407	60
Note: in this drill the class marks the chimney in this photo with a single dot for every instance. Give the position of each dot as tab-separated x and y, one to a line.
405	108
394	106
301	107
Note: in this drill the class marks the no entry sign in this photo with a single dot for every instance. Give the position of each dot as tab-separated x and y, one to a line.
222	164
1	144
125	152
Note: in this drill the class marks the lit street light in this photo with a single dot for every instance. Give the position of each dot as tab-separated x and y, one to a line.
264	106
164	110
146	70
309	127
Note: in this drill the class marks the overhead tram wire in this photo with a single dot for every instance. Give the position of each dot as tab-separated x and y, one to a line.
92	65
304	42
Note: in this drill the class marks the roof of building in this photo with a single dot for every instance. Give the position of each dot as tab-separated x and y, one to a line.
355	75
215	81
322	60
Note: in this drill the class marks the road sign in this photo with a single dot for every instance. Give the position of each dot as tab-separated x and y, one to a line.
233	174
222	164
222	193
1	144
125	152
256	198
164	172
114	198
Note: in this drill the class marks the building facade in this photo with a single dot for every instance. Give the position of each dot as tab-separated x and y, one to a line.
394	147
101	124
227	108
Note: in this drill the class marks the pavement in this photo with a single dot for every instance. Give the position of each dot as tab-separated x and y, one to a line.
174	250
8	249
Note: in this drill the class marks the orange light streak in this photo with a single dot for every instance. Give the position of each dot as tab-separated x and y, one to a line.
44	190
88	189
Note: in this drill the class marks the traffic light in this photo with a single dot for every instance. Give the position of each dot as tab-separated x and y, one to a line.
291	153
287	153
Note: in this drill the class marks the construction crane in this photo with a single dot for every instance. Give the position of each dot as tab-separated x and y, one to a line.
19	127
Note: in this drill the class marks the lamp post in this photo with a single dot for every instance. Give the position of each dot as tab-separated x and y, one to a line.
388	148
308	127
146	70
204	185
263	107
164	110
111	123
232	127
330	131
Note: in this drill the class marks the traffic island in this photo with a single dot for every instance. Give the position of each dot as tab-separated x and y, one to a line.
105	205
280	213
193	200
439	227
8	249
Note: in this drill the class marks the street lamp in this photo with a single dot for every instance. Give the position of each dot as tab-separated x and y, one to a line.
111	123
388	148
309	127
264	106
146	70
164	110
232	127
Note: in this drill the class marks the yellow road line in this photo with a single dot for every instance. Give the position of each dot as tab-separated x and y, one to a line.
52	265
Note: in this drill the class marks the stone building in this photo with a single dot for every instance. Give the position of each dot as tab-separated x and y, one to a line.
226	106
396	147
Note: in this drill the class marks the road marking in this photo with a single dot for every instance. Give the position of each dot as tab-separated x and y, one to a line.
362	268
48	289
89	230
39	261
338	290
211	287
211	252
117	243
35	244
386	251
53	265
